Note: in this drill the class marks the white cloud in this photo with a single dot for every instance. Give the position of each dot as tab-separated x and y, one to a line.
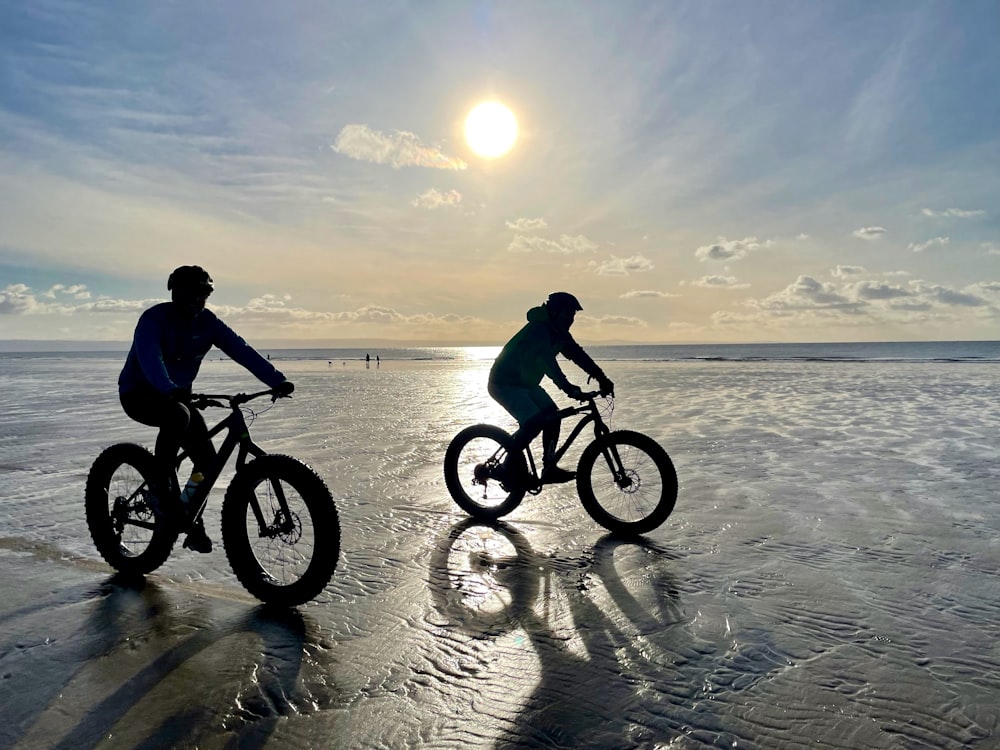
646	294
730	249
433	198
614	320
397	149
527	225
719	282
874	290
919	247
869	233
622	266
991	248
806	293
843	272
565	245
952	213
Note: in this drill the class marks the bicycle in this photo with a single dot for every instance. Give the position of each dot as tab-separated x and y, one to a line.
631	491
280	526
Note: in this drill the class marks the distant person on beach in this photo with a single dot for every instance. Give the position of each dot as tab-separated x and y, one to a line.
517	373
368	361
170	341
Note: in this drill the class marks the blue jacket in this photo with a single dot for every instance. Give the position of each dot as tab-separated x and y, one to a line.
167	350
531	353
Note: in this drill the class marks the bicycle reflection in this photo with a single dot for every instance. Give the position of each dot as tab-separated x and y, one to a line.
609	648
229	681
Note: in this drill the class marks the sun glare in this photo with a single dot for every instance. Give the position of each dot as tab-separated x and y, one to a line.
490	129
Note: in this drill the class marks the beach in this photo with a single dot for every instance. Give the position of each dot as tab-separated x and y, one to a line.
830	576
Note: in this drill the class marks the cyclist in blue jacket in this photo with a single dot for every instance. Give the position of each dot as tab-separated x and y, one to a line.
171	340
518	370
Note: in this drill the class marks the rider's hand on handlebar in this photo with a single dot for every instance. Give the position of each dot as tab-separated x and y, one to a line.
607	387
181	395
285	389
575	392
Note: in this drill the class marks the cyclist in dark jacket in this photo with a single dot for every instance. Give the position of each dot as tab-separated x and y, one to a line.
518	370
171	340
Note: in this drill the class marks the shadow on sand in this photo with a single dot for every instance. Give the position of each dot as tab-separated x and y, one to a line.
488	581
141	641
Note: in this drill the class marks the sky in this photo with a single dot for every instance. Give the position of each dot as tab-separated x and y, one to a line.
695	172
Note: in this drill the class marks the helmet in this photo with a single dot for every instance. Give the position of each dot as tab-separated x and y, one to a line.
190	280
563	301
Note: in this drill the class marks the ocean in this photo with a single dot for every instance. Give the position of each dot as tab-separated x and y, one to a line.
830	576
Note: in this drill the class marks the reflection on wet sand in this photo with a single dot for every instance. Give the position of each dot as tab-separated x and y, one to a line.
139	671
488	581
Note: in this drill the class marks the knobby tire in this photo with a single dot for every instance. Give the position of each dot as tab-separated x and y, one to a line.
122	524
646	502
475	445
304	555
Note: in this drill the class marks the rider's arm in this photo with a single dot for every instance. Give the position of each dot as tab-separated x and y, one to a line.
147	349
575	354
233	346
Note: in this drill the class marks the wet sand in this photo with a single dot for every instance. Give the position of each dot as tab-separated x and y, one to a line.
829	578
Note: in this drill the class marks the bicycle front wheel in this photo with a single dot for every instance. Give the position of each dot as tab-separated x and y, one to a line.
483	472
281	530
119	507
627	482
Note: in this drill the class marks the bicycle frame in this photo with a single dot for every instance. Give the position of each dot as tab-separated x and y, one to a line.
237	439
591	414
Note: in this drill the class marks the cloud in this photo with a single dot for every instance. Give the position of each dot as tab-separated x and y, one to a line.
719	282
565	245
869	233
622	266
20	299
615	320
432	199
946	296
872	290
646	294
730	249
842	272
77	291
952	213
806	293
991	248
527	225
919	247
397	149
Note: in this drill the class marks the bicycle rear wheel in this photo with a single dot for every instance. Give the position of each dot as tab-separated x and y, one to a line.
639	499
281	530
483	472
118	504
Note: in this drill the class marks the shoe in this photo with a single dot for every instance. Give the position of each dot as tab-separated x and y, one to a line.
557	475
197	539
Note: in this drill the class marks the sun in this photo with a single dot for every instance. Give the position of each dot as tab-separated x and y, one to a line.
490	129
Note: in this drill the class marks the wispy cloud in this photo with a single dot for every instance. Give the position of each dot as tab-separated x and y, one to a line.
730	249
869	233
719	282
953	213
527	225
397	149
919	247
843	272
622	266
434	198
646	294
565	245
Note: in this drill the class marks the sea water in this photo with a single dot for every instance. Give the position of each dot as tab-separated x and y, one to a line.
830	574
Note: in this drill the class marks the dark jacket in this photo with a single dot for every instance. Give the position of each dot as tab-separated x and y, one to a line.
167	350
531	353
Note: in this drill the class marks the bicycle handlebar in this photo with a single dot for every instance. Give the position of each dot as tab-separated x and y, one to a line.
202	400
